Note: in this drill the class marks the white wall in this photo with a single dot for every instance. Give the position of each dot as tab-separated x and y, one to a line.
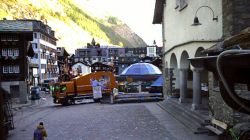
190	48
85	69
178	29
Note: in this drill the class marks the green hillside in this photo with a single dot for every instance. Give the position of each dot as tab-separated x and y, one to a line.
73	25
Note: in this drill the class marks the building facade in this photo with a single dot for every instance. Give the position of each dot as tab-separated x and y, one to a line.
44	64
183	39
14	46
32	70
189	27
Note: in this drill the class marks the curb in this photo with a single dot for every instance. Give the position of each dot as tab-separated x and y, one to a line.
29	104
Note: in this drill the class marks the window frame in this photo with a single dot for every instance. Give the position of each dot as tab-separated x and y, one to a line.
11	69
5	69
4	52
16	52
16	69
10	52
181	4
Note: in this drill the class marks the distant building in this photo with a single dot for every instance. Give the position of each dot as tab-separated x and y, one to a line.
106	54
14	51
80	68
63	64
41	65
140	54
44	63
127	60
151	51
118	57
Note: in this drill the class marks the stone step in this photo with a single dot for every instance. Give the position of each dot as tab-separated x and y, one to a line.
131	97
137	99
187	110
182	117
185	116
138	95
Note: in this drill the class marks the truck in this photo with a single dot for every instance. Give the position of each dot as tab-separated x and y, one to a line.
80	87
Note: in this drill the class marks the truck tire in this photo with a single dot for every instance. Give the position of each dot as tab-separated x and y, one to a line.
97	100
66	102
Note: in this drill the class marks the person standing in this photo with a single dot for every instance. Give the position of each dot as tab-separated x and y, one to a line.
97	93
40	132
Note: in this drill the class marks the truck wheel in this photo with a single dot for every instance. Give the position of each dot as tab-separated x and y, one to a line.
72	101
97	100
66	102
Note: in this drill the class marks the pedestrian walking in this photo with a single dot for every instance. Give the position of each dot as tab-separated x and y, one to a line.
40	132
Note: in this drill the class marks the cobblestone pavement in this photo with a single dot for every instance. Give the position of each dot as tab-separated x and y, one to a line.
94	121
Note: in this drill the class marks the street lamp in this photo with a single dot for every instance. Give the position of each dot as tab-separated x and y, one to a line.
196	20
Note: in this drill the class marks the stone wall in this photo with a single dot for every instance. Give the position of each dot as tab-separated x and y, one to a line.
236	16
219	109
22	91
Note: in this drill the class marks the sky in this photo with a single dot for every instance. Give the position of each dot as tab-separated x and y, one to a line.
137	14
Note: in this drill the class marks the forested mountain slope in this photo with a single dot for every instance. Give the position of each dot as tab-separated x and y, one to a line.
73	25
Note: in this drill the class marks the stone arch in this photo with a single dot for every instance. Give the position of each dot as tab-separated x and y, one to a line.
184	62
198	52
175	71
186	76
173	61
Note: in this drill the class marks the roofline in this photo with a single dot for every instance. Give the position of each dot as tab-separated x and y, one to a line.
158	12
33	30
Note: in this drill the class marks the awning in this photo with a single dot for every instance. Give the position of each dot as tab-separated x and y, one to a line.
158	82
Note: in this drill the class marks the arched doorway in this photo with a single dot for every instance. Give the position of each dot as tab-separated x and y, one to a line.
173	75
184	75
166	79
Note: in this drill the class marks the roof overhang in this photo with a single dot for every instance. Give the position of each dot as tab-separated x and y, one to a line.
241	40
158	12
27	35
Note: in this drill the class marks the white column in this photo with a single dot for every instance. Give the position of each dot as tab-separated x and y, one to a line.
197	100
183	85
